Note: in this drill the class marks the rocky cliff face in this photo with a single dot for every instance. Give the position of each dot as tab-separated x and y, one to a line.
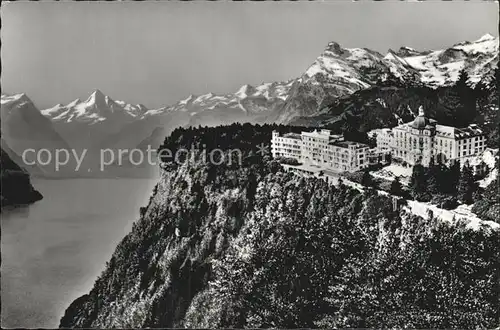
252	246
16	188
157	269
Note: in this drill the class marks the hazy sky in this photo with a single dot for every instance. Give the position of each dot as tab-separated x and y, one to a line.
156	53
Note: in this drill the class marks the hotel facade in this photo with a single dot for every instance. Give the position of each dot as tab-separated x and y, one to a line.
420	140
323	149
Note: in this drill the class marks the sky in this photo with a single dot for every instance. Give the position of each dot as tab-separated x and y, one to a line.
157	53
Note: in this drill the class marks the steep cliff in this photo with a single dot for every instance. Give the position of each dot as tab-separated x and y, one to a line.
248	245
15	185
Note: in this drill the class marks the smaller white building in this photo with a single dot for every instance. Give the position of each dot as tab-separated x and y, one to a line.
321	148
383	137
289	145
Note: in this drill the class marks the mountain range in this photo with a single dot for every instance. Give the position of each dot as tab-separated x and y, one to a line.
341	71
336	74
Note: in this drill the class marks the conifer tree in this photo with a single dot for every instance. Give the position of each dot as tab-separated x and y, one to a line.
367	180
485	170
462	81
396	188
418	181
466	184
433	174
451	178
465	111
488	206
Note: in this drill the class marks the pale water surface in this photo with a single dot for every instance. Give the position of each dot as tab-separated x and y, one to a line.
53	250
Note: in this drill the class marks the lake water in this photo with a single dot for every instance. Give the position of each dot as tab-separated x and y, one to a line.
53	250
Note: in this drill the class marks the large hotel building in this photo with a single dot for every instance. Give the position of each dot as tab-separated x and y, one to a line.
423	138
323	149
411	143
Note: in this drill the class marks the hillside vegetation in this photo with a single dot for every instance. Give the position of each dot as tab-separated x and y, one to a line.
15	184
248	245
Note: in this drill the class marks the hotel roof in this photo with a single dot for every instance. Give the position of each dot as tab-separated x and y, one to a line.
458	133
422	122
317	134
296	136
345	144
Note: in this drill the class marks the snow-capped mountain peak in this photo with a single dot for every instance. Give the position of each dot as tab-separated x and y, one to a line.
14	98
54	109
342	71
96	108
406	51
204	97
18	102
186	100
244	91
486	37
247	101
97	98
97	94
334	47
73	103
391	56
134	110
344	68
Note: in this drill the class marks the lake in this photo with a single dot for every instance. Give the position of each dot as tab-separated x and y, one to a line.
53	250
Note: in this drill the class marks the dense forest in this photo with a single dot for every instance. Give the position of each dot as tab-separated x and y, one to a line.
488	206
15	183
249	245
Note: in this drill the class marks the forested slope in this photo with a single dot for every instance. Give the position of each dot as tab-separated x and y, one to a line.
15	184
248	245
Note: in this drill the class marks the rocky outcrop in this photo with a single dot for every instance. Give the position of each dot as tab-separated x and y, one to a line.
16	188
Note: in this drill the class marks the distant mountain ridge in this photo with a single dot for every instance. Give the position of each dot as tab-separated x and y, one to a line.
247	100
98	107
252	104
85	123
335	73
24	127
